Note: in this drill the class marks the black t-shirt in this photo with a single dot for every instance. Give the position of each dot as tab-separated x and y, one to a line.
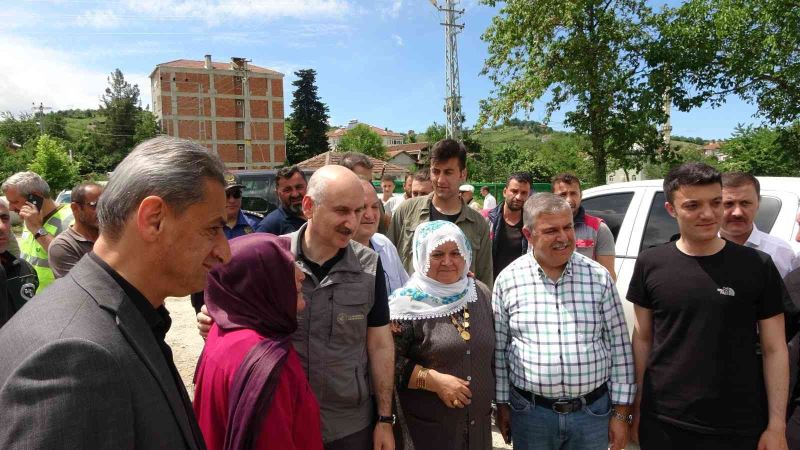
508	242
379	314
436	215
703	373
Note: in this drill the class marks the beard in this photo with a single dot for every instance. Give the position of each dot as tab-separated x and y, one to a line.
295	208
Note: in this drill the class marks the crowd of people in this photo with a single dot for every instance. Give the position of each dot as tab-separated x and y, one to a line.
350	318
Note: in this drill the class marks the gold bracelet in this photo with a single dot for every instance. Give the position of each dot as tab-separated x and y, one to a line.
422	378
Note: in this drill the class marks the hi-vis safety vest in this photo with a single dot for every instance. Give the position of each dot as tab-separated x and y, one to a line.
35	254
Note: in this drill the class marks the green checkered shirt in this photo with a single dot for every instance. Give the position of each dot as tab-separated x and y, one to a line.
563	339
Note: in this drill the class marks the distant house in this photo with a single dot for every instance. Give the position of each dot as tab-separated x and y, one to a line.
379	167
409	155
388	137
713	149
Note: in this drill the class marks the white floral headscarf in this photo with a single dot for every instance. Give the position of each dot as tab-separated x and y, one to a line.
423	297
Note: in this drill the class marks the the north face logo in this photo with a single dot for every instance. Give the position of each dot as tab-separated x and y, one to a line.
726	291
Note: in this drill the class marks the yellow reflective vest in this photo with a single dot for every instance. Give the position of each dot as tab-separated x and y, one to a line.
33	252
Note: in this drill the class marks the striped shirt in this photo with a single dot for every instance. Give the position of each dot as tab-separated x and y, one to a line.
562	339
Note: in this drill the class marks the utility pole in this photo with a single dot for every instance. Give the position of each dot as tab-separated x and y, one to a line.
452	103
38	111
666	128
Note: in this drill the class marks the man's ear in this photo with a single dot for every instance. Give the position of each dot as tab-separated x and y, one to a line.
150	218
670	209
528	235
464	174
308	206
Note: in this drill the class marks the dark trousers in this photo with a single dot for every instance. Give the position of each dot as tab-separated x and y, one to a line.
793	429
657	435
361	440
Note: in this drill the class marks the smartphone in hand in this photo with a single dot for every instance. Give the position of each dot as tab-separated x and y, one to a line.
36	200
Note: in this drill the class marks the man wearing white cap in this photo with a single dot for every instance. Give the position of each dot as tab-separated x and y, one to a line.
467	192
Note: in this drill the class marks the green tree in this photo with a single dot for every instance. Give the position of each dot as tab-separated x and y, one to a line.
18	130
362	139
56	126
709	49
435	133
308	122
53	164
146	127
763	151
587	55
678	155
121	106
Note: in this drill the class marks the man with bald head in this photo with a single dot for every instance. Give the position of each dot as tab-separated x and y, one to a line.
343	335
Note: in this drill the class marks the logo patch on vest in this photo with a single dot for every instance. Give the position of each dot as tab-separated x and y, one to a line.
342	317
584	243
27	291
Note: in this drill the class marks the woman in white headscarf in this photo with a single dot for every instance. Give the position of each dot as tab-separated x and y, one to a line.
444	339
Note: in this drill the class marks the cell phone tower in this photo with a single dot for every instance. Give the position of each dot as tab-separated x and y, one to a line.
452	103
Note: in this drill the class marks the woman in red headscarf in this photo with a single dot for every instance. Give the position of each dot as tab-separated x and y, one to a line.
251	392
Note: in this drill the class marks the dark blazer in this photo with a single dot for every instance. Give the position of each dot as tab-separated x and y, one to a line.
80	368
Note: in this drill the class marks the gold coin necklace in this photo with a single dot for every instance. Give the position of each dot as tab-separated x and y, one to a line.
463	326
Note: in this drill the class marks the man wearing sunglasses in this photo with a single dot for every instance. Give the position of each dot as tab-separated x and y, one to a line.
239	222
69	247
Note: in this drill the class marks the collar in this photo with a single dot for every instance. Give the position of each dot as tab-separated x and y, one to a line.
78	237
755	238
157	319
543	276
462	214
240	220
346	257
580	216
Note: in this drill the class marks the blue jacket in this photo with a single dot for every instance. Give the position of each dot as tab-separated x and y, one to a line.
246	223
280	222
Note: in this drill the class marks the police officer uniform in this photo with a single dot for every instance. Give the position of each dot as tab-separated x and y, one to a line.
18	284
246	221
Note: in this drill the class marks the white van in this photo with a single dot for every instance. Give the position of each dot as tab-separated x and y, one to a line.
635	213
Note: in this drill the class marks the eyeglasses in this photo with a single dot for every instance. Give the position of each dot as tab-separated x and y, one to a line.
235	193
92	205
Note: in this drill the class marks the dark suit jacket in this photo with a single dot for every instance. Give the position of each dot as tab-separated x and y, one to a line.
80	368
792	282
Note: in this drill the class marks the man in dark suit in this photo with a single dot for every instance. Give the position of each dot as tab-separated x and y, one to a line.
85	365
792	282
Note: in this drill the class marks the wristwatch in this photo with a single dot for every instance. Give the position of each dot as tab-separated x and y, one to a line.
388	419
619	416
39	233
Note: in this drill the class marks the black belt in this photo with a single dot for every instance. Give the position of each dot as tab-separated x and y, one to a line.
564	405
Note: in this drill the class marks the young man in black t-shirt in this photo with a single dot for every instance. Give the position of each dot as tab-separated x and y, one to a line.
701	304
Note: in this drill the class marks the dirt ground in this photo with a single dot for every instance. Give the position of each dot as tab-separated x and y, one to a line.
187	344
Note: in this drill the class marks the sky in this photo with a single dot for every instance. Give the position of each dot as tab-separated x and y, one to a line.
377	61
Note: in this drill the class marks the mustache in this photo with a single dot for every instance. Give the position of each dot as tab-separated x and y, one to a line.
344	230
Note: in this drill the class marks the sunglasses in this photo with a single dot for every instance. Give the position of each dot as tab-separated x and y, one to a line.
235	193
92	205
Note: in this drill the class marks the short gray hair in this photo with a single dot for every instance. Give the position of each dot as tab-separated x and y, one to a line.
542	203
166	167
27	183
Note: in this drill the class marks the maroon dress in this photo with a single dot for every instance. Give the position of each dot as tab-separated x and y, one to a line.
293	420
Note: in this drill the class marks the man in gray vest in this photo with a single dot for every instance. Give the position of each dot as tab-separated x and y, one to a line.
343	335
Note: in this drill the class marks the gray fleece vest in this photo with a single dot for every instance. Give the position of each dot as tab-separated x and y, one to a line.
331	338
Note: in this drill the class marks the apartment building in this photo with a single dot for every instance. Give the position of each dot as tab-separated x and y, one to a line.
234	108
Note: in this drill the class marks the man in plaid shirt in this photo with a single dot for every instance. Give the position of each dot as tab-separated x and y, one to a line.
563	361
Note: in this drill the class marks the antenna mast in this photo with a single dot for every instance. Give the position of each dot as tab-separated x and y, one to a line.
452	103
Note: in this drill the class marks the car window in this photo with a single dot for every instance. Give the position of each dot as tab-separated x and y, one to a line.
768	210
610	207
660	227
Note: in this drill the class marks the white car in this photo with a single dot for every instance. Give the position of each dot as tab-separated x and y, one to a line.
635	213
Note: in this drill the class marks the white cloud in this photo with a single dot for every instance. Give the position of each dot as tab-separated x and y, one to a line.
29	73
217	11
103	19
394	9
398	40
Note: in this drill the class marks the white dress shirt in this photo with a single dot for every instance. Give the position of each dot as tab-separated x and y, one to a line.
781	252
396	275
